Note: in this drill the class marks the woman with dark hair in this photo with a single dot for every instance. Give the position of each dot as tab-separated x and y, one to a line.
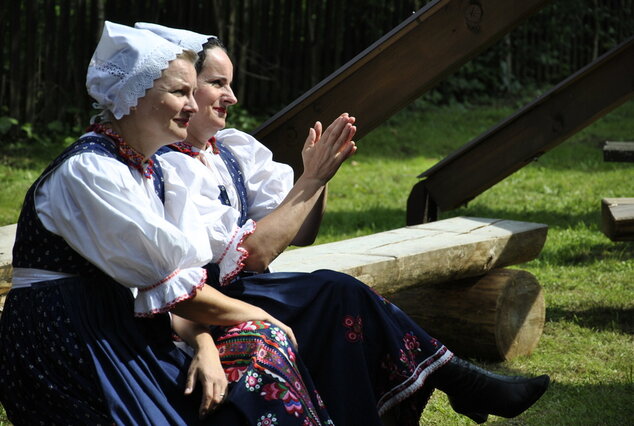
369	361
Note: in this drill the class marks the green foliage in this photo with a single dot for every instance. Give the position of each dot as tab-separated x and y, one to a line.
240	118
6	123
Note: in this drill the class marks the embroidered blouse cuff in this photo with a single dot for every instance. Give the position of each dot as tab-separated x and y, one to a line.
232	260
160	297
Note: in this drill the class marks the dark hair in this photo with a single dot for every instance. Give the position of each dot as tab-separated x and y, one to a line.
211	43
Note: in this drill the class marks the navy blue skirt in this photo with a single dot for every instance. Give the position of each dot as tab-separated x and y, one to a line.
73	353
365	356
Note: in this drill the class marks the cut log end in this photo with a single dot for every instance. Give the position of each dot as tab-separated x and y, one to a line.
495	317
521	312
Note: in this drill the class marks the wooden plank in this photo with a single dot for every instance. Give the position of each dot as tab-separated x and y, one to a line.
617	218
540	126
618	151
435	252
398	68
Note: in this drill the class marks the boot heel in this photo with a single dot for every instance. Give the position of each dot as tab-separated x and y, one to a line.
473	415
477	417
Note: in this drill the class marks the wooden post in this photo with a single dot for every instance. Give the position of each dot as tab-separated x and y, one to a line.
618	151
495	317
617	218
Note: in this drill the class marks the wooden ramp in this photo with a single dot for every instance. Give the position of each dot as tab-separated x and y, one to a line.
397	69
570	106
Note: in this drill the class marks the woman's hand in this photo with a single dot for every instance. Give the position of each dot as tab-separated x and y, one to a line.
324	153
206	368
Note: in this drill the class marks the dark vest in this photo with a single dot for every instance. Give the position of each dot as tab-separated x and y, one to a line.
236	176
36	247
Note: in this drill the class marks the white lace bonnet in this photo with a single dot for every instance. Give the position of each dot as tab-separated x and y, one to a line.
124	65
184	38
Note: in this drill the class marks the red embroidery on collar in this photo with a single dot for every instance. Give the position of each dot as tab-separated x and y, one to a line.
212	142
129	154
188	149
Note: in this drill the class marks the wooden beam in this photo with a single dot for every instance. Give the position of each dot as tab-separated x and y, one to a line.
617	218
398	68
570	106
618	151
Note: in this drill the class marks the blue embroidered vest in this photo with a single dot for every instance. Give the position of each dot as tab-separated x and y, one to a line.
236	176
36	247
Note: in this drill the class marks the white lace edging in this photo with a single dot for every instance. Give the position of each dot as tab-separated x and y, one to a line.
137	81
158	298
232	260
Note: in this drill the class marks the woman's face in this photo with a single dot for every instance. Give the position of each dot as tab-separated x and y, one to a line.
214	94
164	113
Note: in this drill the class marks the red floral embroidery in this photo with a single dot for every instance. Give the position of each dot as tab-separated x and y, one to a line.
355	328
234	373
280	391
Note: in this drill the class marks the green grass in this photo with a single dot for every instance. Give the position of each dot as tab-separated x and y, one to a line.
588	341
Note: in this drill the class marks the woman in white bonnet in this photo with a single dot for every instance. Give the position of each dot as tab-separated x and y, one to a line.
370	362
108	244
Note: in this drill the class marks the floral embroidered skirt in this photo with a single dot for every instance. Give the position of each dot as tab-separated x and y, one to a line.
365	356
73	353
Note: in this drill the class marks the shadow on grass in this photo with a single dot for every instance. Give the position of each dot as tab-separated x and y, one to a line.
597	319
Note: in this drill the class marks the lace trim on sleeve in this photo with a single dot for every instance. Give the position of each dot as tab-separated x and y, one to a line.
159	298
232	260
163	281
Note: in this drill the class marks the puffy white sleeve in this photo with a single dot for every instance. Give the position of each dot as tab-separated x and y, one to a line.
221	222
267	181
112	216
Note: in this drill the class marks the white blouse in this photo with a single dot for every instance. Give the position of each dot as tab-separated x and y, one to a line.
111	215
267	184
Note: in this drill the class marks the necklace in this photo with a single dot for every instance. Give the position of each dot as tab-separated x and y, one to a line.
131	156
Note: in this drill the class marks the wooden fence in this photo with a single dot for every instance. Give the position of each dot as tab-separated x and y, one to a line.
281	48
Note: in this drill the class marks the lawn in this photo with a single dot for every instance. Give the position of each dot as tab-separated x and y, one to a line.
588	341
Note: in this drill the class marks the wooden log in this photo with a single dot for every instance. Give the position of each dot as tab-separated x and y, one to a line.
440	251
618	151
495	317
617	218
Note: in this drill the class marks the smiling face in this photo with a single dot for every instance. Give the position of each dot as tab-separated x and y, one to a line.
214	96
163	115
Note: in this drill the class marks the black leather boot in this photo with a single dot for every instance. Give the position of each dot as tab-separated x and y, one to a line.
476	392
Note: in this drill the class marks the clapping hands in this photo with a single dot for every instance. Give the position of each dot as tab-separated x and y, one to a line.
324	153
